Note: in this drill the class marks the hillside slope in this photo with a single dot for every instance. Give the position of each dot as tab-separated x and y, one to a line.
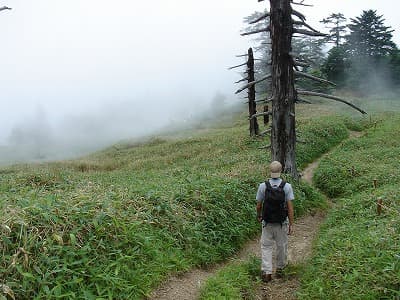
116	223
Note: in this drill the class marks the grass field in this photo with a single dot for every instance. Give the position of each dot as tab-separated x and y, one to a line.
356	255
114	224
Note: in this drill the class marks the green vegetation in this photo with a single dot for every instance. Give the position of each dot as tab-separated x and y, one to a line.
236	281
357	255
115	224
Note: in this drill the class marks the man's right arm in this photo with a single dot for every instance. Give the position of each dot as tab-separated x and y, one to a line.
259	211
290	215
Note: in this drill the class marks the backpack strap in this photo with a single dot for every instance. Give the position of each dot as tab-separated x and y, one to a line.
282	184
268	184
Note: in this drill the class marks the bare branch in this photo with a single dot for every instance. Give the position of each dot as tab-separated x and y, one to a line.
265	147
264	16
308	93
299	15
265	100
267	113
268	131
302	101
298	56
4	8
301	3
314	78
308	32
242	55
241	80
256	31
301	23
300	63
252	83
241	65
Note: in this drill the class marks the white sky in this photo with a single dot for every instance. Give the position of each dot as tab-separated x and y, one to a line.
79	57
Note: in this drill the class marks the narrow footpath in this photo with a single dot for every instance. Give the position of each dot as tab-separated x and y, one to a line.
187	286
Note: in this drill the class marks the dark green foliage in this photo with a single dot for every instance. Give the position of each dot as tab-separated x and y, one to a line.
395	66
369	37
335	66
368	48
310	49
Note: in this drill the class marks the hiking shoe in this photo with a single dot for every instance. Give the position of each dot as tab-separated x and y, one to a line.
266	277
279	273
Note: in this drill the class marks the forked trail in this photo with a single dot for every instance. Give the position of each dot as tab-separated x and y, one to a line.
187	286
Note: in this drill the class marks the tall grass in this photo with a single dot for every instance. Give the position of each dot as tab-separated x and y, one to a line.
357	255
113	225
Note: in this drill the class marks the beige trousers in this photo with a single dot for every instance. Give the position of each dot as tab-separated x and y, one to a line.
274	235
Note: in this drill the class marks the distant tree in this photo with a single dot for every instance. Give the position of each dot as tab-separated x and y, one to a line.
336	26
335	65
369	37
368	48
310	48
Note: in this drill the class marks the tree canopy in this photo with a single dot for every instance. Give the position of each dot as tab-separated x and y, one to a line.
369	37
337	28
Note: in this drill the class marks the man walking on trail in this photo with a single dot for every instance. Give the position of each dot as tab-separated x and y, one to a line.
275	212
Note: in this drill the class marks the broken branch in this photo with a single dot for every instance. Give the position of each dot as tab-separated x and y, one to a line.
265	100
241	65
314	78
256	31
300	63
308	32
268	131
301	3
244	79
4	8
265	147
302	101
308	93
302	23
267	113
298	14
264	16
252	83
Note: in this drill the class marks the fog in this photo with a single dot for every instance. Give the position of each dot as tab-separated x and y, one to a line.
76	76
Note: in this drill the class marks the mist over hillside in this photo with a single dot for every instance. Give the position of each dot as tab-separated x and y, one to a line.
39	138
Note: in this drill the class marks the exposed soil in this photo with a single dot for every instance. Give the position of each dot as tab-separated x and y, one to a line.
187	286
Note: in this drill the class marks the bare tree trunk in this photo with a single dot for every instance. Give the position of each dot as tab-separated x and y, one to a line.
283	134
251	92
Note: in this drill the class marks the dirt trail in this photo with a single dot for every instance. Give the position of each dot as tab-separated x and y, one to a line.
187	286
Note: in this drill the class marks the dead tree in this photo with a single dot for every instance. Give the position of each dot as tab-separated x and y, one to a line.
4	8
251	93
284	95
283	134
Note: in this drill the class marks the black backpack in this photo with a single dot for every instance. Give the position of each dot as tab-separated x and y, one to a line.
274	204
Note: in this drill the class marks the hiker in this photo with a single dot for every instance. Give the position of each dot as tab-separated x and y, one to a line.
275	212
